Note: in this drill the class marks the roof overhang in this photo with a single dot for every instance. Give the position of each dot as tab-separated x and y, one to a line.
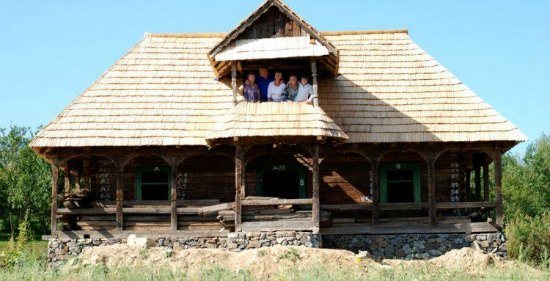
272	48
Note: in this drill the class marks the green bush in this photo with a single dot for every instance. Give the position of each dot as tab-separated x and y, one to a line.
529	239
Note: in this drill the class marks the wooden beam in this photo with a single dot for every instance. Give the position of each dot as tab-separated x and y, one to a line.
468	179
430	159
485	180
174	195
119	195
234	81
275	202
477	177
55	178
67	178
314	82
238	187
464	205
497	158
315	194
375	163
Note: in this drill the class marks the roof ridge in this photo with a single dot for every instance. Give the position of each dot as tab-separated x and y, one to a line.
330	33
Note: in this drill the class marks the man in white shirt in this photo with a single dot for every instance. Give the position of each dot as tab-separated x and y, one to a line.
305	91
275	90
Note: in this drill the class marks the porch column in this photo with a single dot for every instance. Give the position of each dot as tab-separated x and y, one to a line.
238	186
315	209
314	82
485	180
234	81
86	175
477	177
430	159
174	195
55	178
119	195
467	184
497	158
66	178
375	163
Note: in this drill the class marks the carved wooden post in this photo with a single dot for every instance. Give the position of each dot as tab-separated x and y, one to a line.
467	184
66	178
174	195
86	175
497	158
119	194
315	209
430	159
314	82
234	81
485	180
477	177
238	186
55	178
375	163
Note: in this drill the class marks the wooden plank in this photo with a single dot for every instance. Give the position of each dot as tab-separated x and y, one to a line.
464	205
348	207
403	206
314	82
53	217
274	202
75	234
277	225
315	209
431	188
87	211
214	209
412	228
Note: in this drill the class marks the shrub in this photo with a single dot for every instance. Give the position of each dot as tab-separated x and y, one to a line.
529	239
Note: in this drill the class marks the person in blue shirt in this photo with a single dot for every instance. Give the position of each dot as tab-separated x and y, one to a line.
263	80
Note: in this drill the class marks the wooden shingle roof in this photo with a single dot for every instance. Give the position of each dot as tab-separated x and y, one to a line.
164	92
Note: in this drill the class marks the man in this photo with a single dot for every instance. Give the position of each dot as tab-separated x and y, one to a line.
305	91
263	81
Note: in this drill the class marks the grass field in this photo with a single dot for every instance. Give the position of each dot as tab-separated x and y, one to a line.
32	267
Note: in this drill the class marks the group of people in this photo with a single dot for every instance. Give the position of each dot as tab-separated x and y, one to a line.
262	88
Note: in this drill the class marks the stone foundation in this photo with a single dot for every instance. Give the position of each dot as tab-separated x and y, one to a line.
404	246
61	249
416	246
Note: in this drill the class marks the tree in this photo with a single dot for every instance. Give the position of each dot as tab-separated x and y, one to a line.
24	181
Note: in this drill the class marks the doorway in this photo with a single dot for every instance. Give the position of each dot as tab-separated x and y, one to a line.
282	181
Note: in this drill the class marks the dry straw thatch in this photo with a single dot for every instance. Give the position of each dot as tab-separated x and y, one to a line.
164	92
267	119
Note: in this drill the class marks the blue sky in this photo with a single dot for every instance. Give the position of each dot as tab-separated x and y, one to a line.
51	51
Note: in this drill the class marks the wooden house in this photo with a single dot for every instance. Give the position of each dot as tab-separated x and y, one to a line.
164	144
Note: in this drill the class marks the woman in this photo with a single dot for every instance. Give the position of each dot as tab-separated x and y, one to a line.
276	89
251	90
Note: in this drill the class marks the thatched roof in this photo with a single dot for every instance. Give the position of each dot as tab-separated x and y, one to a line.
275	119
272	48
163	92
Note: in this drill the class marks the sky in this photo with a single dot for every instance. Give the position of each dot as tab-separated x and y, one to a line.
51	51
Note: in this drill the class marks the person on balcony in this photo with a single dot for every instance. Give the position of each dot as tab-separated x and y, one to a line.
251	91
275	90
263	80
291	89
305	91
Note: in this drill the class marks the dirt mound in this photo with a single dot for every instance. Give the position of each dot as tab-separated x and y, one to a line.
265	262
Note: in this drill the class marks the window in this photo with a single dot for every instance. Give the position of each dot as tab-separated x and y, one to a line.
400	183
153	183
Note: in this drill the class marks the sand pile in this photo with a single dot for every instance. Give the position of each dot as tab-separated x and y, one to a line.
265	262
